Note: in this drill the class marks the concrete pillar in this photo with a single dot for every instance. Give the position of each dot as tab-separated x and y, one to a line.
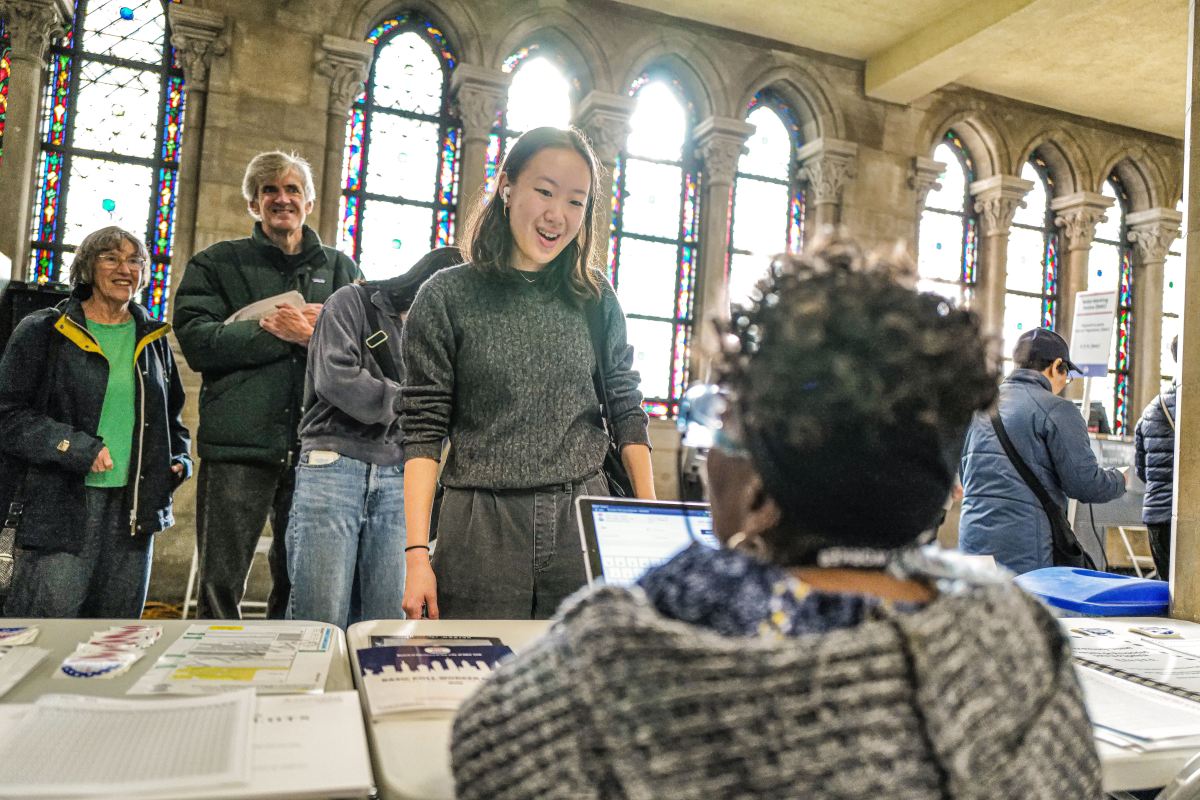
825	167
1152	232
604	118
198	37
996	201
1077	215
923	177
1185	516
480	94
30	24
346	63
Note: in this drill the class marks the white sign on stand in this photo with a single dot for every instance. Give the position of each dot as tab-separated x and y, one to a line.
1091	344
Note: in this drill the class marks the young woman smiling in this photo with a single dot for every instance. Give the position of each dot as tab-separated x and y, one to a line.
499	359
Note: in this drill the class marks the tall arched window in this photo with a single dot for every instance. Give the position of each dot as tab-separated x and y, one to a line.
540	94
1031	285
5	71
949	237
654	241
1110	266
1173	271
111	131
400	179
768	207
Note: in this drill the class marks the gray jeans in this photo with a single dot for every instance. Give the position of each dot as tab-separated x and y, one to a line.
107	578
511	554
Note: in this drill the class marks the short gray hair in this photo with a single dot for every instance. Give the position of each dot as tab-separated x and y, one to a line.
266	167
106	240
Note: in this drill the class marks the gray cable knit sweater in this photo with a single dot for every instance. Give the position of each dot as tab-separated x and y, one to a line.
972	696
505	370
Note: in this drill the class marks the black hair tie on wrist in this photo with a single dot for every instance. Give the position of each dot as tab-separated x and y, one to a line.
416	547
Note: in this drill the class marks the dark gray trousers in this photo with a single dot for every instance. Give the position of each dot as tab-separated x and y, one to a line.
512	554
233	502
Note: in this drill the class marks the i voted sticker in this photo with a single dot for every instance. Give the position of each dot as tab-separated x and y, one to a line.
1157	632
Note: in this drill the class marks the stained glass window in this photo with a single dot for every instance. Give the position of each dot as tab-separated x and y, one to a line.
654	246
768	207
1110	268
949	233
1173	270
111	130
539	94
400	171
1031	283
5	71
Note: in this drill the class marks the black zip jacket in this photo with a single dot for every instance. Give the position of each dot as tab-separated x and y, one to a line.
54	450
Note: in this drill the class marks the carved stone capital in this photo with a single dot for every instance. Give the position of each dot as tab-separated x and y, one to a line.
604	117
826	165
1078	214
198	38
346	62
923	178
996	201
479	96
720	142
1152	232
31	24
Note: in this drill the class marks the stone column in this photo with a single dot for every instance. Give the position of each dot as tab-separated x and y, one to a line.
346	63
825	167
1152	232
480	95
1077	215
923	177
1185	515
720	141
604	117
996	201
31	24
197	36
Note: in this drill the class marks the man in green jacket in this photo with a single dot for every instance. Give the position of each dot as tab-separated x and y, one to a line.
253	371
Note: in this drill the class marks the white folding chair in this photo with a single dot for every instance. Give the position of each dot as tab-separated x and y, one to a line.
189	602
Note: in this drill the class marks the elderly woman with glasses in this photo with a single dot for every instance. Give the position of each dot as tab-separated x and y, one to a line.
819	652
92	439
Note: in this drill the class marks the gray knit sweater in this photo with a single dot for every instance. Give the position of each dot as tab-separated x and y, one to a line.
505	370
617	701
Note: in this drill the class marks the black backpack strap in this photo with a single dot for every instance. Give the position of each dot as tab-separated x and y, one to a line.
376	342
1048	504
596	332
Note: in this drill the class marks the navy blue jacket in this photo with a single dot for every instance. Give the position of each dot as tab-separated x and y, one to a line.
1001	516
56	448
1154	457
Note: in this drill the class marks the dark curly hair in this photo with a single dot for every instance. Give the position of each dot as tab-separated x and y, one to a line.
852	393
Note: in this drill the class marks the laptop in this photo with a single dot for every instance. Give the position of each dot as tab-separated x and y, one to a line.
622	538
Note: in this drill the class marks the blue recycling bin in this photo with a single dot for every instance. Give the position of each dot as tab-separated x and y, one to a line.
1085	592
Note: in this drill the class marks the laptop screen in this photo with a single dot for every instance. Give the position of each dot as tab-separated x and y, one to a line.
623	538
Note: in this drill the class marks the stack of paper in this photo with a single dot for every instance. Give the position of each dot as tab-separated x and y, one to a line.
1138	717
425	676
16	663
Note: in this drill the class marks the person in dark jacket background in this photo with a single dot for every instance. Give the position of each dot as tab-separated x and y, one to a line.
1154	458
253	372
90	423
346	534
1001	516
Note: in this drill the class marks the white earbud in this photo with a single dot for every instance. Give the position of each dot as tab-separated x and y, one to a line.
504	194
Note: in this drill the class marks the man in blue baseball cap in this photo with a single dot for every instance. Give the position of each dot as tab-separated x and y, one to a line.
1002	515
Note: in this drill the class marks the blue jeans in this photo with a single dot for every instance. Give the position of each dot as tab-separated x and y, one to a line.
345	542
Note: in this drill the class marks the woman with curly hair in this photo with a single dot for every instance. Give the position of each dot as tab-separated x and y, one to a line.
820	652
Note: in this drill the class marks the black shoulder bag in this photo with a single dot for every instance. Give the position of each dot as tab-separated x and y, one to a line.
1067	552
619	484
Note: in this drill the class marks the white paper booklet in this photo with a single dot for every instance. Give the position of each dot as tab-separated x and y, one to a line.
16	663
1145	718
424	676
266	658
262	308
76	745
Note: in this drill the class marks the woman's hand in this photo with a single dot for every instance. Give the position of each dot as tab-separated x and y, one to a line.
420	587
103	462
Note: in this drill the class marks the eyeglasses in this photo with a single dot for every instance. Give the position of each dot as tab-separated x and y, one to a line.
112	261
703	422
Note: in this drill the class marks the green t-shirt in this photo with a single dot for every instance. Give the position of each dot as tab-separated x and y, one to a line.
117	413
